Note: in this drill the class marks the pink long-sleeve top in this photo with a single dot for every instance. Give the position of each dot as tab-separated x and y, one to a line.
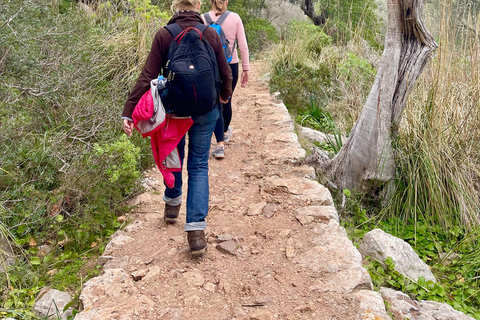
233	29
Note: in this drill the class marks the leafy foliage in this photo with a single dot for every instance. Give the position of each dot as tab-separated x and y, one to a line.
307	66
66	166
347	17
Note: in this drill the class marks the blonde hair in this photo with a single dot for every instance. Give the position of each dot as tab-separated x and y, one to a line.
184	5
220	6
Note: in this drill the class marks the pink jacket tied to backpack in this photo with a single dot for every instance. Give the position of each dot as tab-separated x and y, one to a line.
165	132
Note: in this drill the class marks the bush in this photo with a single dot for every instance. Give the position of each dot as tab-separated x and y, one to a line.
67	167
306	65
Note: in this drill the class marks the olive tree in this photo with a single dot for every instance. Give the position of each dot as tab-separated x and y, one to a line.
367	158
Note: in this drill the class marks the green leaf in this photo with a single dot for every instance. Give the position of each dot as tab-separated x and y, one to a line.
59	218
347	192
410	287
35	261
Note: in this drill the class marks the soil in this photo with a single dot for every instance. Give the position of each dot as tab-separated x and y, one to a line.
254	275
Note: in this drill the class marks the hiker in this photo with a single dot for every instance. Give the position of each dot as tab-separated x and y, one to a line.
186	14
231	24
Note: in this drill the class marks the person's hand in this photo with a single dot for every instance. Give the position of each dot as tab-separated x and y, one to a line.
244	79
128	127
223	101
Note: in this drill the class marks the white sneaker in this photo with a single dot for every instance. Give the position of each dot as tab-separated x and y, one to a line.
227	135
219	152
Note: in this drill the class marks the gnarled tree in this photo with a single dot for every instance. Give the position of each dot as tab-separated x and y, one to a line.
308	8
367	158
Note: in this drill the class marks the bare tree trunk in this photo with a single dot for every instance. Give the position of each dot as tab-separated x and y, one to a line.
367	157
309	10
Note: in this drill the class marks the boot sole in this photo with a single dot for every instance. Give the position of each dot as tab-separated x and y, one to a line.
170	220
200	252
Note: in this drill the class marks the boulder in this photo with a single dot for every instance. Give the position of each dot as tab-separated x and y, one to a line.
403	307
51	302
381	245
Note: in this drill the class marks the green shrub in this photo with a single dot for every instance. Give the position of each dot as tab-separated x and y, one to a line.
306	65
66	167
260	35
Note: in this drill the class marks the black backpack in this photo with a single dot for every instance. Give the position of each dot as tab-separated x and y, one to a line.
193	80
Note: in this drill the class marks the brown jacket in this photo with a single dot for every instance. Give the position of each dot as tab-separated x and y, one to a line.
157	59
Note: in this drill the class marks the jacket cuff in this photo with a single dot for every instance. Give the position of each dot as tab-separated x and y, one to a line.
127	118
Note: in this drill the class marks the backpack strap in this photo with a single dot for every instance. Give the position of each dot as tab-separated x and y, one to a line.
174	29
207	18
222	17
201	27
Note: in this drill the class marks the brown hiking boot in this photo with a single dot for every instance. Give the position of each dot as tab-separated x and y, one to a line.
171	213
197	242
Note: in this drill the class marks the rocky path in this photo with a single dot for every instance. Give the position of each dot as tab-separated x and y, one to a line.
276	250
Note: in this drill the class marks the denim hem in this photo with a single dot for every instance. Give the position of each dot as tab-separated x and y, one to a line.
195	226
173	202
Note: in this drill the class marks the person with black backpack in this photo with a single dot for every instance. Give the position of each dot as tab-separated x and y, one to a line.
191	57
230	27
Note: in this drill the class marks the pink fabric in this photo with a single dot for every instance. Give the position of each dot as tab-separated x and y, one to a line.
165	138
233	29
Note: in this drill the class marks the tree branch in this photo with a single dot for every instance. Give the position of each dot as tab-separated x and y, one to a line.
11	18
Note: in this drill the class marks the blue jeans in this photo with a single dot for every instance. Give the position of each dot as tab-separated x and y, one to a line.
199	140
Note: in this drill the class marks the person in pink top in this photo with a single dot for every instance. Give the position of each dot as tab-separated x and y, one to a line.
232	26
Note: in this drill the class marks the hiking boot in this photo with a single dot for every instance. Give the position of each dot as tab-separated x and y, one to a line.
227	135
219	152
197	242
171	213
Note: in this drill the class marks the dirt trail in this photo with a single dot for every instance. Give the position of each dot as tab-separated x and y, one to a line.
275	248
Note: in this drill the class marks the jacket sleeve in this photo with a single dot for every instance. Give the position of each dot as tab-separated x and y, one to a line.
225	71
242	45
150	71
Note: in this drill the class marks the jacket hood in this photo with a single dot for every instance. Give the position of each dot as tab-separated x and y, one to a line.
186	16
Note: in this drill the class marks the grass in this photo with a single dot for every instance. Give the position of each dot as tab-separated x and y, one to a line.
439	144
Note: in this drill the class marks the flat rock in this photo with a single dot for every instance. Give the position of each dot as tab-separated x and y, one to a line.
224	237
228	247
381	245
305	189
403	307
194	278
112	294
269	210
336	258
256	208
